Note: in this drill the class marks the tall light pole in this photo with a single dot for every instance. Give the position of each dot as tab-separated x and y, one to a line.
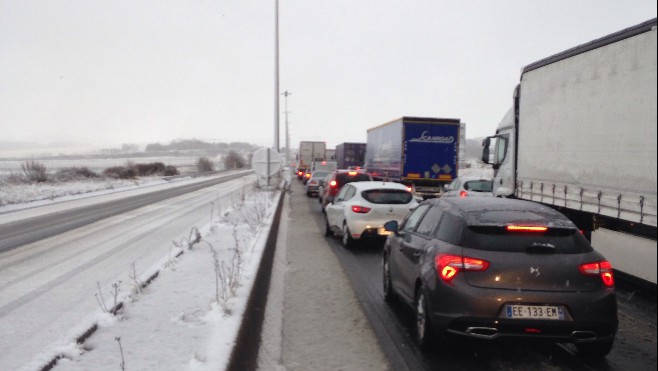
276	76
285	95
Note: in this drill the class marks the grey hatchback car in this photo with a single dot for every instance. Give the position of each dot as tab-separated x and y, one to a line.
500	268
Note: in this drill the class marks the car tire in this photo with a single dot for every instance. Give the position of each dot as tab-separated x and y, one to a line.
424	335
327	231
389	293
597	349
348	241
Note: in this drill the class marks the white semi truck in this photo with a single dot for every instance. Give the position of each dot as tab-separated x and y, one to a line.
581	137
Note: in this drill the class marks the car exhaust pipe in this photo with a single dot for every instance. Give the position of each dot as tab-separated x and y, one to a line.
584	335
483	332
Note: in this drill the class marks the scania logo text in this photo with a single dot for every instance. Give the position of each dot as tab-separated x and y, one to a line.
434	139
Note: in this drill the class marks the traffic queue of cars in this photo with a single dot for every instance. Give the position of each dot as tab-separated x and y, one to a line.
472	265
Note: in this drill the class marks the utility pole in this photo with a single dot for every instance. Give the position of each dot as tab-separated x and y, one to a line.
276	76
285	95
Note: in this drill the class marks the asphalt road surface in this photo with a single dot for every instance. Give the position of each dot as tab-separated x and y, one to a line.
304	297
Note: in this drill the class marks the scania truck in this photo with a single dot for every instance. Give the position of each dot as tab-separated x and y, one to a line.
421	152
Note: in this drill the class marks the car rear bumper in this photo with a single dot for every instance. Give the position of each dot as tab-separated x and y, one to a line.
480	313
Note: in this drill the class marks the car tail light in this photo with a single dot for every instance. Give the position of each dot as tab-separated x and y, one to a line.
351	173
308	175
526	228
602	268
333	184
410	188
448	266
463	194
299	173
361	209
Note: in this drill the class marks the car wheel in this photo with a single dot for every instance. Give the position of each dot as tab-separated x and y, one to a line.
327	231
597	349
389	294
423	328
348	241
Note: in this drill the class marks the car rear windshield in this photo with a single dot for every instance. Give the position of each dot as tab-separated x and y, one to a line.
479	185
387	196
558	241
320	174
345	178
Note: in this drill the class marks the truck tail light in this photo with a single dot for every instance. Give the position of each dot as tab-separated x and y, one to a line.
448	266
602	268
360	209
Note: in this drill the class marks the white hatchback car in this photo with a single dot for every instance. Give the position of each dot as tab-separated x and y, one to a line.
465	186
360	210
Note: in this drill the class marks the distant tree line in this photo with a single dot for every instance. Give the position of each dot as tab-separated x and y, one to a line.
195	144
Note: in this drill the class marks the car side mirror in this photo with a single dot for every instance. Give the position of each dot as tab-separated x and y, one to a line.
486	143
391	226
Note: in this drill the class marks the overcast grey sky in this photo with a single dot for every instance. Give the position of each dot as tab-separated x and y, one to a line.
141	71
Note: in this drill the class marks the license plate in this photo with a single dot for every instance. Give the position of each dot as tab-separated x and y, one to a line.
535	312
382	232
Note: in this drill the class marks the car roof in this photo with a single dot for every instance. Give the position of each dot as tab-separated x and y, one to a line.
367	185
497	211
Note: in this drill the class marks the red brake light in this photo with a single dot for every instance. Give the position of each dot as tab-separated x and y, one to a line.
463	194
526	228
299	173
602	268
410	188
360	209
447	266
308	175
333	184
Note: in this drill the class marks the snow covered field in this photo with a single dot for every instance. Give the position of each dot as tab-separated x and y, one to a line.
185	319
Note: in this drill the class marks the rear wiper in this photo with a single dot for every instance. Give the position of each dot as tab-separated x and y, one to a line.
539	247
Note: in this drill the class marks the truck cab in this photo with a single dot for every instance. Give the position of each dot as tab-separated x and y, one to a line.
502	158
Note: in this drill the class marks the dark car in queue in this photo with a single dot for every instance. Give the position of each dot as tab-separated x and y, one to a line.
300	172
490	268
315	181
336	180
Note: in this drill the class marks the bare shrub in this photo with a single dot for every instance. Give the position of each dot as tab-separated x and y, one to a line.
233	160
34	171
170	170
116	288
75	173
154	168
227	277
204	164
120	172
189	242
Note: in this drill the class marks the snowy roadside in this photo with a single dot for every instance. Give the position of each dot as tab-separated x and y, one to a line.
184	319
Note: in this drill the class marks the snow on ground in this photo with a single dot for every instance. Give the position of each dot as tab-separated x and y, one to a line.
183	319
20	196
180	321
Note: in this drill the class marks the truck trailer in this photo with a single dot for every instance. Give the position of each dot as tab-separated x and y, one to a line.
581	138
420	152
350	155
310	151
